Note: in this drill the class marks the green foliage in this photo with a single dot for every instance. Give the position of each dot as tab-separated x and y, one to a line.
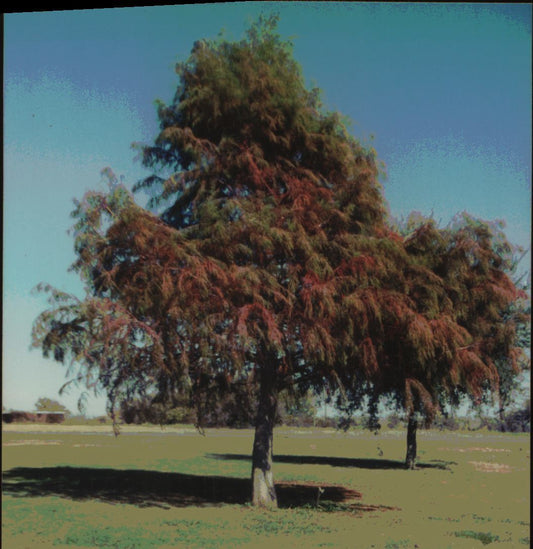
45	404
474	309
297	410
484	537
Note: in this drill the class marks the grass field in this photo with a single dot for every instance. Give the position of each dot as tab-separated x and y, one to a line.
67	486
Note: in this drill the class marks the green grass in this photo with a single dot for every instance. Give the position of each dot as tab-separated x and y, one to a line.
174	488
484	537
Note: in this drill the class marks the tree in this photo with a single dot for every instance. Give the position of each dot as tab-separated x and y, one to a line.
45	404
475	262
461	334
416	342
263	181
519	420
269	250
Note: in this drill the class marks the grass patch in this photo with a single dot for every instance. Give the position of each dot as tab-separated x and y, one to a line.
176	489
274	524
397	544
123	537
484	537
477	518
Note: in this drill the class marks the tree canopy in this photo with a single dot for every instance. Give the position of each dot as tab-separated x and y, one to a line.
45	404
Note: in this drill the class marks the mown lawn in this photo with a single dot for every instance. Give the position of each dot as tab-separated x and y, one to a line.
175	488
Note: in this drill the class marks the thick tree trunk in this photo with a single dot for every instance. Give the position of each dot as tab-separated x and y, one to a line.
410	457
264	492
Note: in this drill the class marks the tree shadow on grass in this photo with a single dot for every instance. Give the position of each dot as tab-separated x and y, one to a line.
343	462
159	489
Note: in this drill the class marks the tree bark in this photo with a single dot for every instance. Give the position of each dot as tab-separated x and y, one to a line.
501	415
412	426
264	492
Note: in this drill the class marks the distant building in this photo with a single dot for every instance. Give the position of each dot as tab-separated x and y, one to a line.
33	417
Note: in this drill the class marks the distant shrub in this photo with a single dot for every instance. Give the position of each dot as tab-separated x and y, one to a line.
180	414
138	412
483	537
329	422
518	421
298	420
394	421
453	423
490	423
296	410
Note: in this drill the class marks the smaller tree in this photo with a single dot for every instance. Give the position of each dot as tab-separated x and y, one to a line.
456	331
418	342
475	262
45	404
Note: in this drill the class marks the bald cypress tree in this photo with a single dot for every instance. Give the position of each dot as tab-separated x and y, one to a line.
269	249
455	329
475	315
265	186
411	335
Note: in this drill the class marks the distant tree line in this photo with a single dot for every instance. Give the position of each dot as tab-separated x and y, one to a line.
235	409
234	413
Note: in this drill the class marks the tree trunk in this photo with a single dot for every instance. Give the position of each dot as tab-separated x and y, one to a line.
410	457
264	492
501	415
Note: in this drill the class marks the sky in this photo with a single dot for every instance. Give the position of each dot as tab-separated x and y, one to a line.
441	91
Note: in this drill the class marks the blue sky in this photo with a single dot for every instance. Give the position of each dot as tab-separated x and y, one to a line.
442	92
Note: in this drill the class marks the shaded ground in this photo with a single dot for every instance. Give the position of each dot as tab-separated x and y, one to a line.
342	462
152	488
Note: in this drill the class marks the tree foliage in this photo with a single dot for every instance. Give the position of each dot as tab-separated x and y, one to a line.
465	331
271	236
45	404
